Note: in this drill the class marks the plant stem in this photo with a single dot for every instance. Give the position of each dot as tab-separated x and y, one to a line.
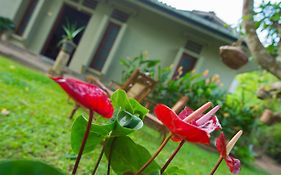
217	165
86	134
154	155
172	156
99	158
109	156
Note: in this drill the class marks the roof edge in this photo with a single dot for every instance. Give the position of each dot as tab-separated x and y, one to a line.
192	19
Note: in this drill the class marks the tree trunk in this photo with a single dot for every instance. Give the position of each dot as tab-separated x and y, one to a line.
265	60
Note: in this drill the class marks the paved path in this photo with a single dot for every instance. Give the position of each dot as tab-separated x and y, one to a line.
24	56
267	164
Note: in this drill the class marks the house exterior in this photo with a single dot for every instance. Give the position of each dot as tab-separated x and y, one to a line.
117	29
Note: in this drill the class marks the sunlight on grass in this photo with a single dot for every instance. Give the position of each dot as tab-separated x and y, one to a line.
37	127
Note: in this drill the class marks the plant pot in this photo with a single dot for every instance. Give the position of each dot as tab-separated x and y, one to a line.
5	35
233	56
68	46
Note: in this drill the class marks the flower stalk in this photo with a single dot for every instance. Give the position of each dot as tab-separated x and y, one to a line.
99	158
86	134
154	155
172	156
217	165
110	155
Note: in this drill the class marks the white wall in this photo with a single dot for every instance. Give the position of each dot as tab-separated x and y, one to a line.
9	8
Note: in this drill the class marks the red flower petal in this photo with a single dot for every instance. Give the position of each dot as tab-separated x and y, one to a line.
166	116
221	145
233	164
193	134
88	95
176	138
185	112
178	127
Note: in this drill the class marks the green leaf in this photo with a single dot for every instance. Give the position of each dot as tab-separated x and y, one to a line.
77	31
96	135
27	167
174	171
138	109
120	100
127	156
155	172
126	123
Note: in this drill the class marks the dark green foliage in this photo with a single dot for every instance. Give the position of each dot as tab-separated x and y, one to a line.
96	135
127	156
268	18
173	170
70	32
6	24
271	140
140	62
27	167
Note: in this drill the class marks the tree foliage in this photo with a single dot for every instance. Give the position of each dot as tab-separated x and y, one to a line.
266	18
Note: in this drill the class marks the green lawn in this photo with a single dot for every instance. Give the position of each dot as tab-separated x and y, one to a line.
38	128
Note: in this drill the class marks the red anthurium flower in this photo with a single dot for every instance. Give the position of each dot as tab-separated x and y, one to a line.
232	163
182	130
88	95
207	122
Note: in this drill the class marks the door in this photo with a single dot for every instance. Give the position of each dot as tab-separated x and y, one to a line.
67	14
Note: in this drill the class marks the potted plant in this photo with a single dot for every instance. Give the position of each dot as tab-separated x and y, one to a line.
67	47
233	56
71	31
6	25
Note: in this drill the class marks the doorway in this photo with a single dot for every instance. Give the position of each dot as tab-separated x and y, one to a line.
67	14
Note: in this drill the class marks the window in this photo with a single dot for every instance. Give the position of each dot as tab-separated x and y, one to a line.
187	62
108	39
105	46
188	58
26	17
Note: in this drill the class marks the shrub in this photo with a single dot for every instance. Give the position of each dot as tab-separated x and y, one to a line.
6	24
234	114
139	62
271	140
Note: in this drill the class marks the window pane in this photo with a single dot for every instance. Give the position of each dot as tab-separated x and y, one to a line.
105	46
187	62
26	17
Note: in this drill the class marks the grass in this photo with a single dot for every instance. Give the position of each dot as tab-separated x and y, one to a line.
37	127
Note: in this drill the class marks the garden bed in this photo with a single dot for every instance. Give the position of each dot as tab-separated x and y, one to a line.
37	127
